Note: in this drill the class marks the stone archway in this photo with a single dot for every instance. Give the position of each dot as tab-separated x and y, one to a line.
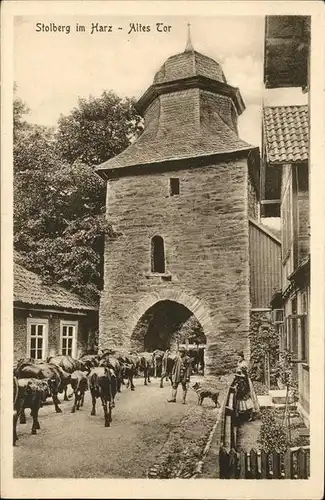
165	323
192	304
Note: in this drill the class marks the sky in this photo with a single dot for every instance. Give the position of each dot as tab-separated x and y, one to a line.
52	69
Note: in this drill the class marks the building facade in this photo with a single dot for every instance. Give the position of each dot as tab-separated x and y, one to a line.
49	320
285	187
182	199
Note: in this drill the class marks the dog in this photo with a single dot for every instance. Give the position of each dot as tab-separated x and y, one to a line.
206	392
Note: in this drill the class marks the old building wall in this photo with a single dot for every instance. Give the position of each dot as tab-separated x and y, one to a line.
253	203
20	330
265	265
205	230
303	226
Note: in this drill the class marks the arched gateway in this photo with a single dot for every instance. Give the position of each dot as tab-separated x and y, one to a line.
180	198
164	320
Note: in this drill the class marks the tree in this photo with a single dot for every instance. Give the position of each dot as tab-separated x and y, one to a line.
19	110
59	205
98	129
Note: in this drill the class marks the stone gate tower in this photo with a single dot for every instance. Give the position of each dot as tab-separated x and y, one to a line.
178	198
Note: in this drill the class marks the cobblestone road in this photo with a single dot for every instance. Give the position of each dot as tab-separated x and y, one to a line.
79	446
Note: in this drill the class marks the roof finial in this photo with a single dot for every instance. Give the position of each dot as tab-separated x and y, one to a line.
189	46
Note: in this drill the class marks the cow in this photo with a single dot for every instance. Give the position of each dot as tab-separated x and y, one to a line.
79	384
102	384
129	363
197	359
113	363
167	367
69	365
157	357
56	377
89	361
145	365
28	393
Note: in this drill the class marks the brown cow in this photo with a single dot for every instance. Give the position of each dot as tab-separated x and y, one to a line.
68	364
56	377
102	384
28	393
79	384
145	365
113	363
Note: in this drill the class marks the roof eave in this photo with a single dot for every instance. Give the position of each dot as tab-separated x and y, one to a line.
109	172
70	309
198	81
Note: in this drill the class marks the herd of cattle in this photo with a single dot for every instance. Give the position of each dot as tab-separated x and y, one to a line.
35	381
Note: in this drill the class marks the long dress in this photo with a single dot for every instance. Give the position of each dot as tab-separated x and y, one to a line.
246	399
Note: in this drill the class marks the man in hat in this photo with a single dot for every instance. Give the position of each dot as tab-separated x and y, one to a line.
181	374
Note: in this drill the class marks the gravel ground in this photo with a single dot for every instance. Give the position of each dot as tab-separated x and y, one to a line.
79	446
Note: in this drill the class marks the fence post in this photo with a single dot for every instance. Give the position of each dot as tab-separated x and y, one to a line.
302	464
223	462
254	464
259	464
248	465
270	466
242	474
263	464
287	464
232	463
276	465
294	465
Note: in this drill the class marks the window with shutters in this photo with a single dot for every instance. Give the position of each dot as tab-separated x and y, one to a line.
37	338
69	338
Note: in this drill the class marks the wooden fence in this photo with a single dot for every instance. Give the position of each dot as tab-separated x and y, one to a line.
255	464
293	464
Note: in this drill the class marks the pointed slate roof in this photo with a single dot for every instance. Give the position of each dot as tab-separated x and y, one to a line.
190	111
286	134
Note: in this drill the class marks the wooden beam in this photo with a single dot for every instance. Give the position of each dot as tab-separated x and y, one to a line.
270	202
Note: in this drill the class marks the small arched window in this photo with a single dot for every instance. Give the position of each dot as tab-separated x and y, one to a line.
157	255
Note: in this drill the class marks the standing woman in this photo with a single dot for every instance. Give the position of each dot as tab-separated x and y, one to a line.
246	399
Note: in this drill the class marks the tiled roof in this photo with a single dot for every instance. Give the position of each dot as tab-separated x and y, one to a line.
29	289
286	133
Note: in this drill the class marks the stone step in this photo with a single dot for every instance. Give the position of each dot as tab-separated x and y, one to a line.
279	399
291	406
303	432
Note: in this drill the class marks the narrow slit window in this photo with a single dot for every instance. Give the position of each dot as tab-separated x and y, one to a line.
157	255
174	186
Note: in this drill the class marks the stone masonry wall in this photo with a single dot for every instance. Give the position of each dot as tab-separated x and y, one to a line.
205	230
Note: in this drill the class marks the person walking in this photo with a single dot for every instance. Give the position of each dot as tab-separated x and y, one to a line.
181	375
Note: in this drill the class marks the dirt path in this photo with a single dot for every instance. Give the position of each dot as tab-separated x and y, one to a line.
79	446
